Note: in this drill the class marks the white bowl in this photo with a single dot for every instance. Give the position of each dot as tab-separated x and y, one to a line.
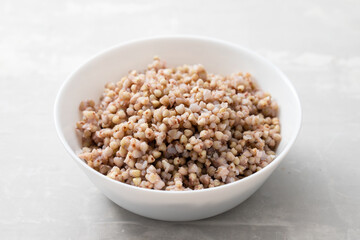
217	56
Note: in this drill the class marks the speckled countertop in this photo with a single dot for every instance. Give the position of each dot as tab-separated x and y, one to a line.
314	194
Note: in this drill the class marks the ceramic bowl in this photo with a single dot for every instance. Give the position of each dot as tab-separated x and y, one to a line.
87	82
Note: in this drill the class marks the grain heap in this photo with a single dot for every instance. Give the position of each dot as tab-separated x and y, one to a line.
179	128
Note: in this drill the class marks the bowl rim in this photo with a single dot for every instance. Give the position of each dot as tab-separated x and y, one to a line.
169	38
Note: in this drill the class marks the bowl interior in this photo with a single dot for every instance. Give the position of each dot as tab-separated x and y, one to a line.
217	57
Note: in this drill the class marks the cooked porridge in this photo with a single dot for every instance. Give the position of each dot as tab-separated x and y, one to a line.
179	128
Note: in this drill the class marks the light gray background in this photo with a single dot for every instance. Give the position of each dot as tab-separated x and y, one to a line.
314	194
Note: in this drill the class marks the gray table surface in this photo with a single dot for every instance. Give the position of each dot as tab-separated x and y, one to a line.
314	194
